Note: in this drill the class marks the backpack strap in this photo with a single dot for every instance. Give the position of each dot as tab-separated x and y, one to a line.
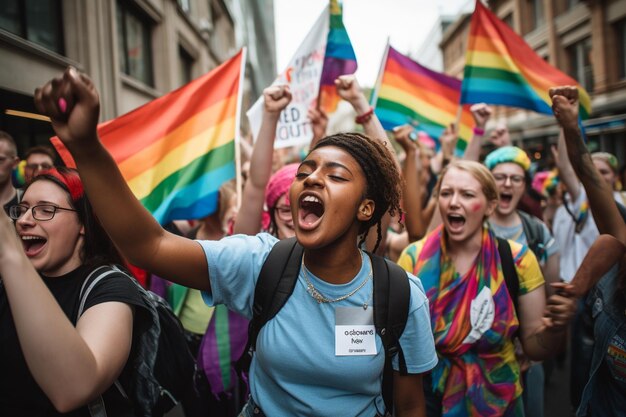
90	282
508	270
534	234
275	284
392	295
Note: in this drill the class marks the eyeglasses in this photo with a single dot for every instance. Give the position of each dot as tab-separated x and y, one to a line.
42	167
515	179
283	213
42	212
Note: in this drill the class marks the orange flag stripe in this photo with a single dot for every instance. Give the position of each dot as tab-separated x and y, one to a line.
156	151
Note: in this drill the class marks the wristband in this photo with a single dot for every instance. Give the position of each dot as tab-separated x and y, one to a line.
365	117
478	131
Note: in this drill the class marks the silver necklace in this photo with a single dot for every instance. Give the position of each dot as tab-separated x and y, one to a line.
317	296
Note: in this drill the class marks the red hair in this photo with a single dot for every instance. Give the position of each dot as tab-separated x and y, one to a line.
70	179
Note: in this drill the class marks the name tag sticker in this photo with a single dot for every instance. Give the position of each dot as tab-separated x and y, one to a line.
355	334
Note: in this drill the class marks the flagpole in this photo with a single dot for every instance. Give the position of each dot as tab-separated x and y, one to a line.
319	88
379	78
238	180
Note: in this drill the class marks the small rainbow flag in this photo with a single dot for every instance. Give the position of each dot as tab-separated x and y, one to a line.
339	59
409	92
500	68
175	152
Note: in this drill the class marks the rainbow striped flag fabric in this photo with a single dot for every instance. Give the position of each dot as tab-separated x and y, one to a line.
411	93
339	59
175	152
501	69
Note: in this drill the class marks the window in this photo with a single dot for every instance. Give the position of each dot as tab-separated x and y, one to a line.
38	21
536	9
620	41
133	34
186	65
580	63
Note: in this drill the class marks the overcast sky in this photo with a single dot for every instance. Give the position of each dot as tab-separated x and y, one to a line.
369	23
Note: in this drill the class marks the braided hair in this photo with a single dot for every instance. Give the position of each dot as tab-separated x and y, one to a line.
384	182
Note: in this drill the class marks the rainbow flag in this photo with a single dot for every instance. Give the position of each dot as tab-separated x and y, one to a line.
411	93
500	68
175	152
339	59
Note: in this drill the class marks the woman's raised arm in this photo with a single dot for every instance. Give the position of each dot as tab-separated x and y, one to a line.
73	105
249	217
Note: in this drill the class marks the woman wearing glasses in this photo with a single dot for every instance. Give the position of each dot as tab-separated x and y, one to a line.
52	361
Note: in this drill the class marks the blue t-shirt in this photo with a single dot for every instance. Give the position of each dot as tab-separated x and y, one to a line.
295	370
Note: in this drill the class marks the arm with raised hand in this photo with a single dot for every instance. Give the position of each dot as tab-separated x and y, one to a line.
481	114
73	105
567	175
599	193
250	213
413	188
348	89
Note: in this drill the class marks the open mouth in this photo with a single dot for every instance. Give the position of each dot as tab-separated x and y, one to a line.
311	210
506	198
33	244
456	221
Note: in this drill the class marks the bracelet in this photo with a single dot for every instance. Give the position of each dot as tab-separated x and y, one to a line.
478	131
365	117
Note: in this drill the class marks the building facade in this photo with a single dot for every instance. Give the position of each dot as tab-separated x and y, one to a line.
585	39
134	50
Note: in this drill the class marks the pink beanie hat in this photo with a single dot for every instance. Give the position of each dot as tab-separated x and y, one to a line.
279	184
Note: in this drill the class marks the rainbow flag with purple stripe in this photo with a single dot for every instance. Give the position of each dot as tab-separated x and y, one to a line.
339	59
411	93
500	68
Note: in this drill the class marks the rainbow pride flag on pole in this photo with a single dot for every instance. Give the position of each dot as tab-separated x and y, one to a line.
339	59
411	93
176	151
501	69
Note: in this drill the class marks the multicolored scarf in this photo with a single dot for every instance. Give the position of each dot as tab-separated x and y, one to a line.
477	373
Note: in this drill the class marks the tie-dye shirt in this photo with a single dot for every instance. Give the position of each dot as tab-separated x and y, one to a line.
473	321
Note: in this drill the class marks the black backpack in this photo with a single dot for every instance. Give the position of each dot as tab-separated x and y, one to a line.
161	366
391	304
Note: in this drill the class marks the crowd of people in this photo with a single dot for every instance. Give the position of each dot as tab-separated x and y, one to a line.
506	269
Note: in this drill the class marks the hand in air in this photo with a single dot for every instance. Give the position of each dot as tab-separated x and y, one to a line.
448	140
276	98
72	103
481	114
406	136
349	89
565	106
